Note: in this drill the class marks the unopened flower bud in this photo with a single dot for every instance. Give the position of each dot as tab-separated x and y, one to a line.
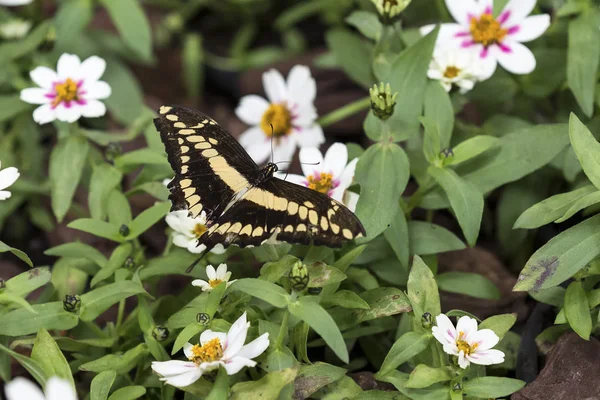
129	262
202	318
315	290
174	22
389	10
426	320
2	283
299	276
457	387
160	333
382	101
124	230
113	150
72	303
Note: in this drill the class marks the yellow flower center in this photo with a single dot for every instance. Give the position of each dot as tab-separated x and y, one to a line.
199	230
464	346
211	351
214	282
279	117
66	91
451	72
486	30
322	182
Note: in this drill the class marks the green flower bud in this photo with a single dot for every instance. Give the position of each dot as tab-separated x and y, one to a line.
426	320
174	22
299	276
124	230
113	150
389	10
72	303
160	333
315	290
202	318
129	263
2	283
382	101
457	387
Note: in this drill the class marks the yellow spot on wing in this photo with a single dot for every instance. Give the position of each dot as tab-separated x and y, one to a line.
235	228
186	132
347	233
313	217
179	125
335	228
165	109
247	230
324	224
289	228
184	169
196	210
258	231
309	204
228	174
172	117
303	212
301	228
189	191
192	200
185	159
195	138
184	149
213	141
223	228
202	145
292	208
185	183
279	203
210	153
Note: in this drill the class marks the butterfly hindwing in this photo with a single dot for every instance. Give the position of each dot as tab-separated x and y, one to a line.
210	165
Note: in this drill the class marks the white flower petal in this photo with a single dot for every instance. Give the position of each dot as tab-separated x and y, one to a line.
14	3
20	388
251	109
187	348
488	63
350	199
8	176
59	389
517	58
68	67
254	136
195	247
444	330
274	86
211	273
255	348
519	9
184	379
92	69
235	365
348	175
5	194
44	114
336	159
285	150
460	10
484	339
447	34
487	357
180	240
218	249
93	109
209	335
44	77
310	137
222	272
259	152
531	28
311	160
302	88
172	367
96	90
68	114
303	116
463	362
34	96
201	284
293	178
175	220
236	337
483	6
465	327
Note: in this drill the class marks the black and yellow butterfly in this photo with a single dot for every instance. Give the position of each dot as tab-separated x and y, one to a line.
244	204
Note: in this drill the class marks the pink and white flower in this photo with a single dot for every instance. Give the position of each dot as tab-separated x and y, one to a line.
8	176
455	67
215	278
286	120
216	349
56	389
187	231
495	40
72	92
330	175
466	342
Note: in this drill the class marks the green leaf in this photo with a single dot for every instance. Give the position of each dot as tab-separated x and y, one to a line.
582	59
50	316
77	250
131	22
313	377
562	256
383	302
491	386
67	161
20	254
193	68
345	299
28	281
554	296
8	298
406	347
584	202
116	261
71	19
128	393
577	310
347	259
266	291
97	228
121	363
467	283
12	50
551	208
126	102
147	218
101	385
134	159
423	376
32	366
397	237
119	212
382	172
408	77
321	274
366	22
431	139
427	238
185	335
46	352
466	201
438	109
322	323
268	387
97	301
104	179
500	324
587	149
352	54
220	389
423	290
11	105
472	147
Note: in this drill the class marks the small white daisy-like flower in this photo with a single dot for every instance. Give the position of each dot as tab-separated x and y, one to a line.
187	231
457	67
466	342
290	112
14	29
214	278
14	2
216	349
72	92
8	176
56	389
495	40
330	175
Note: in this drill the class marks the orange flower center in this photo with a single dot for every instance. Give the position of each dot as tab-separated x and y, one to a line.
464	346
66	91
322	182
486	30
211	351
214	282
451	72
278	116
199	230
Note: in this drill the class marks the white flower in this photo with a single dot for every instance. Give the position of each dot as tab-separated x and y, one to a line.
495	40
215	349
15	28
453	66
466	342
14	2
8	176
330	175
70	93
56	389
187	231
214	278
290	111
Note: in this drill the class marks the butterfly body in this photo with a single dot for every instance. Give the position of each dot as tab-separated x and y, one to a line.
244	205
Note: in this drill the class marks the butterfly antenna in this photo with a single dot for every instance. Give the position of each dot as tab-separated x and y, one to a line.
191	267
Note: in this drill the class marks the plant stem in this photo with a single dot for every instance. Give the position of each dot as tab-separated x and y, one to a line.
416	198
344	112
282	330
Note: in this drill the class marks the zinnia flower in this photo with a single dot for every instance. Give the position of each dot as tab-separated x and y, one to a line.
215	349
8	176
290	112
214	278
15	28
14	2
187	231
495	40
455	67
466	342
330	175
71	92
56	389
